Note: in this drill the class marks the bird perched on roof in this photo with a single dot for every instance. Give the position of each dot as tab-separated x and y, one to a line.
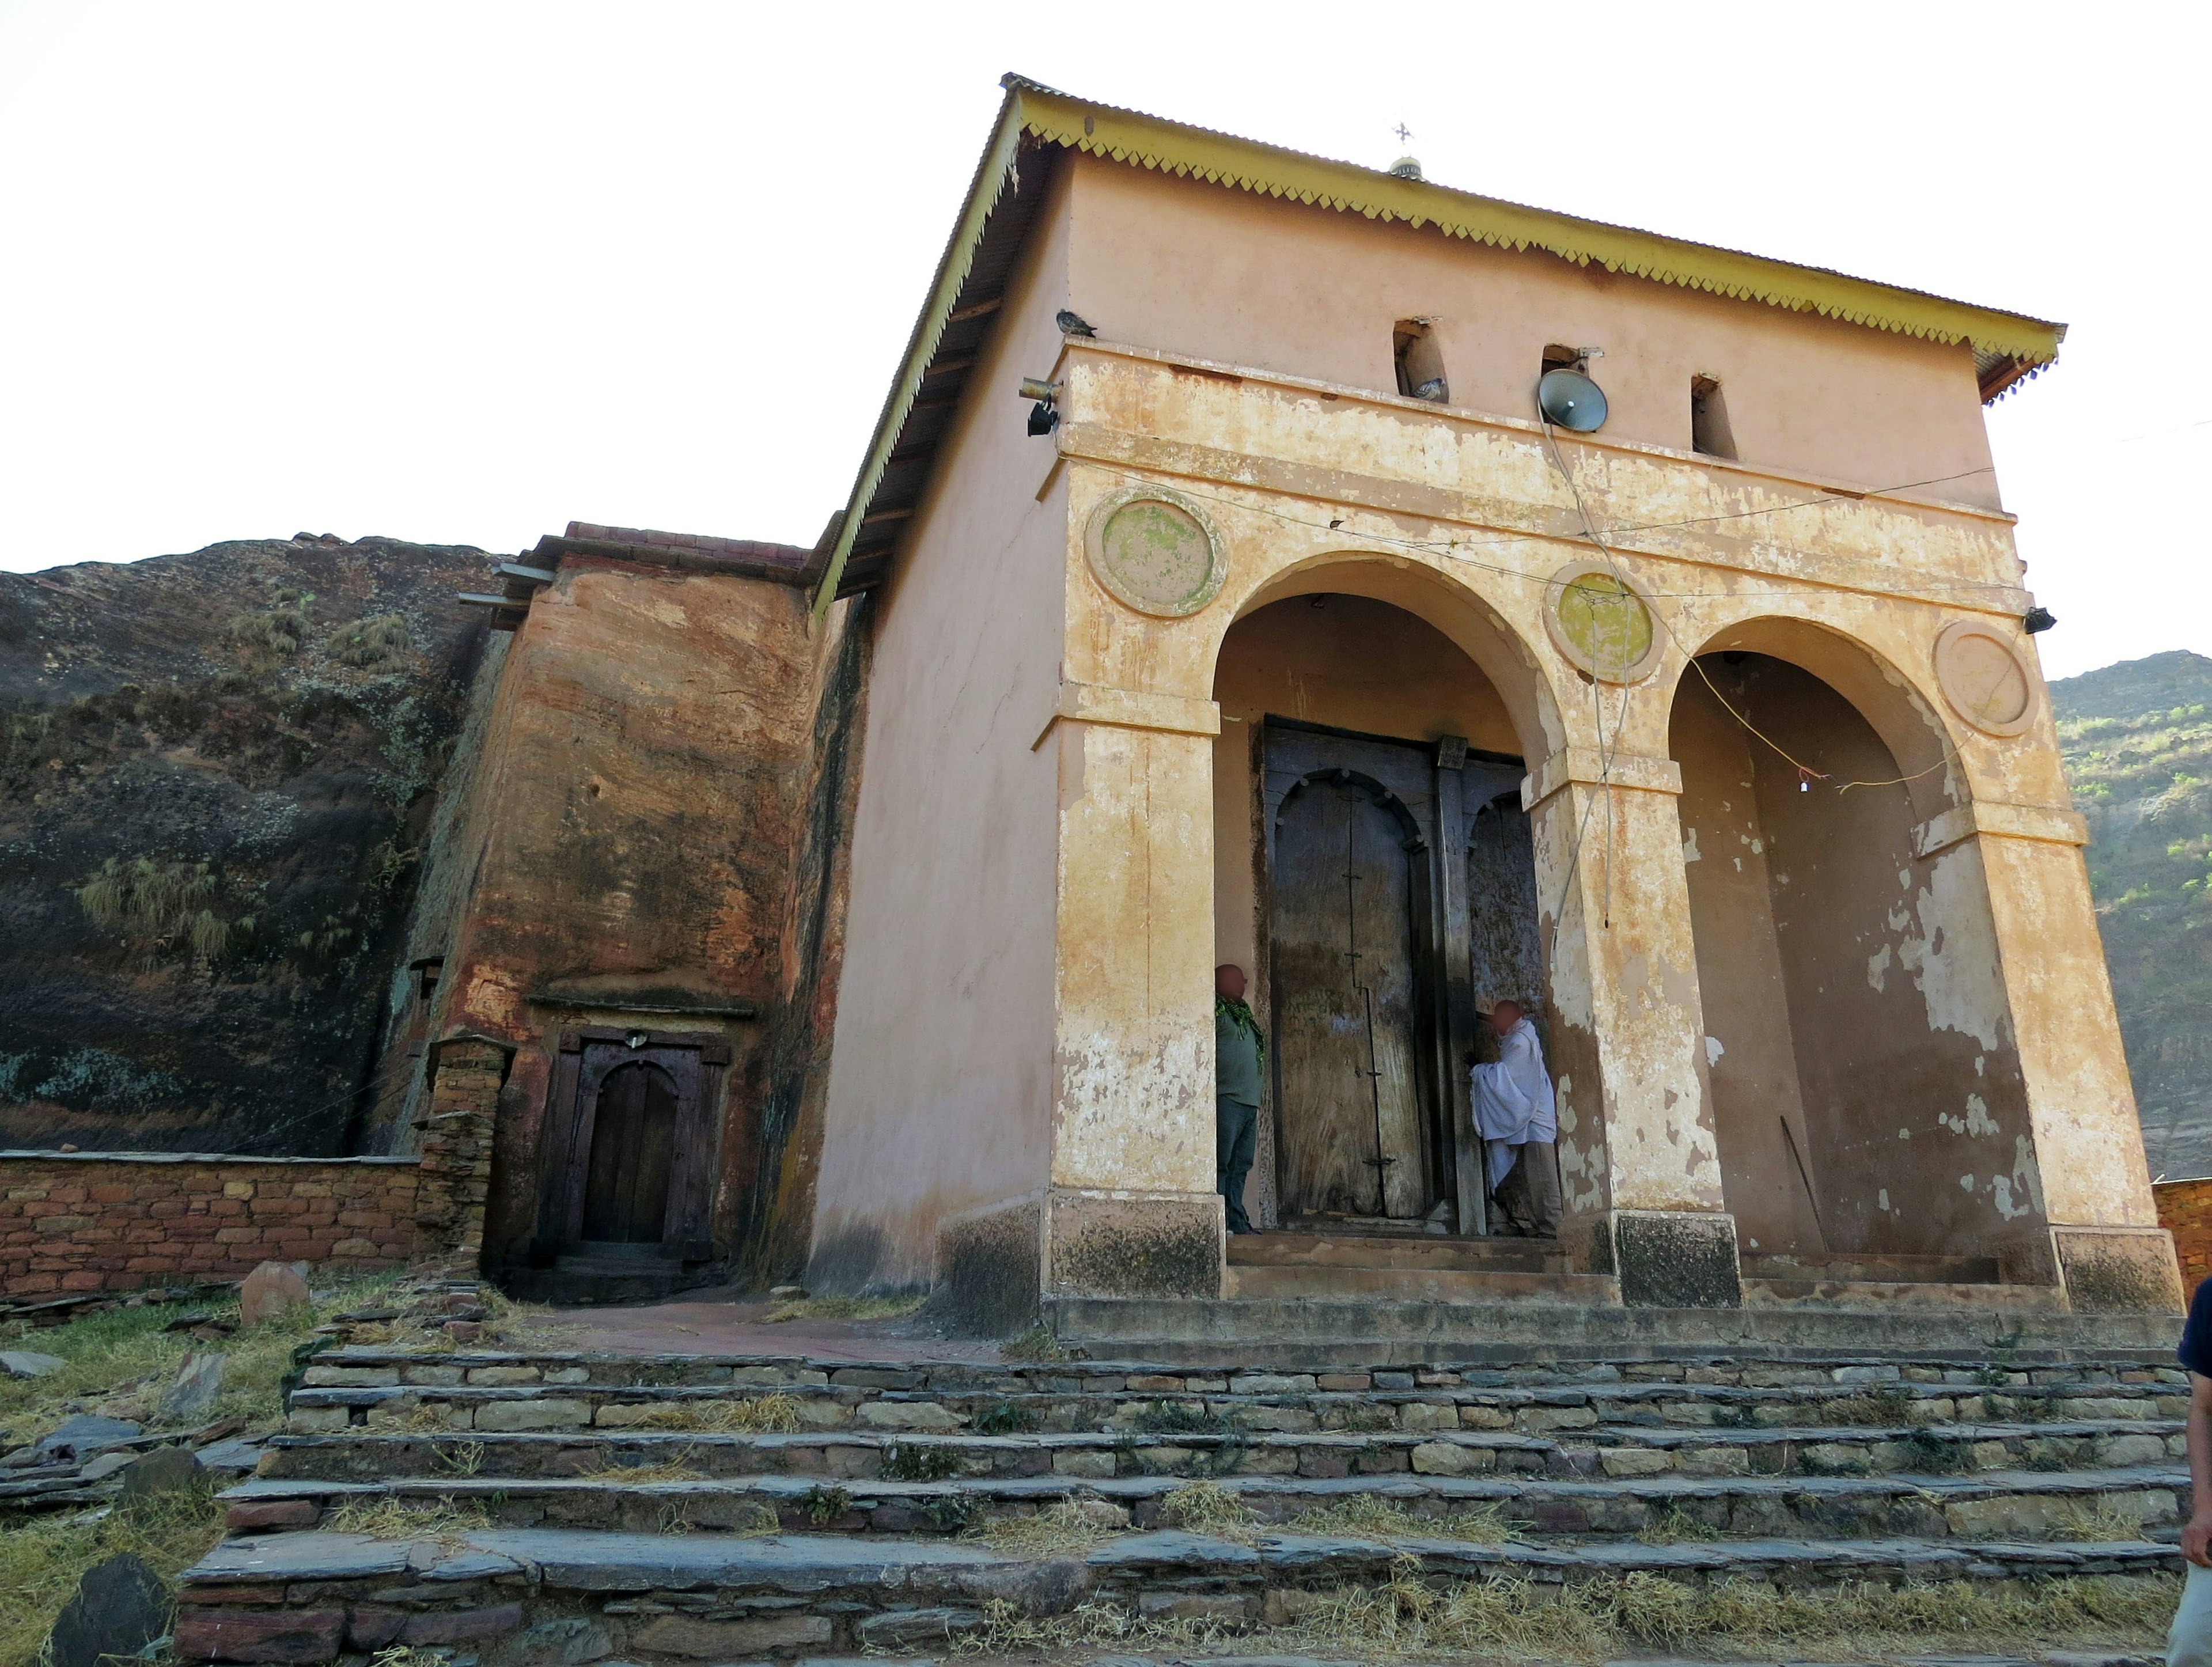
1072	324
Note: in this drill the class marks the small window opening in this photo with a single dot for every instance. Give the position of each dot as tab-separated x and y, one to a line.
1420	362
1561	358
1709	433
427	972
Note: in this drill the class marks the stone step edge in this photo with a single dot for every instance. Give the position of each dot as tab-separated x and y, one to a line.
2122	1359
1988	1484
364	1395
372	1437
601	1563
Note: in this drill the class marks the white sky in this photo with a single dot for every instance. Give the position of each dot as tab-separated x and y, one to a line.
460	272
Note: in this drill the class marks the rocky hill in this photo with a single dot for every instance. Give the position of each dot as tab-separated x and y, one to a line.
2137	738
216	771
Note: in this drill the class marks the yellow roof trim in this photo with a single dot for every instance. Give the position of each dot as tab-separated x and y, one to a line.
1126	135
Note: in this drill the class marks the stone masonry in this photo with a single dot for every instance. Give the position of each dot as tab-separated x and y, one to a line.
457	1147
2185	1209
116	1221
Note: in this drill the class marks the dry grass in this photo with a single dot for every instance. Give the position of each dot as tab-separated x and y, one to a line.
1034	1347
120	1361
843	1308
1207	1507
762	1414
384	1517
42	1559
668	1470
2086	1519
409	1655
1068	1528
753	1520
1524	1619
117	1363
1673	1527
1364	1514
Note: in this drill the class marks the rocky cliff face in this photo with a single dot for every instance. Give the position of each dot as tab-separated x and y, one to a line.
2137	738
215	774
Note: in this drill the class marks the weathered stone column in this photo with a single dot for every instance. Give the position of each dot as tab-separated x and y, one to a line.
1131	1210
1639	1161
2102	1244
466	1073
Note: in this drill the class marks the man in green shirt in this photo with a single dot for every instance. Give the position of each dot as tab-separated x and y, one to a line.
1238	1053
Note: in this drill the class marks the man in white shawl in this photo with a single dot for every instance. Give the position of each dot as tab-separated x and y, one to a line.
1516	1115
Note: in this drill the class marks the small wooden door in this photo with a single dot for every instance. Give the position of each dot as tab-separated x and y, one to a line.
626	1189
1355	1136
631	1142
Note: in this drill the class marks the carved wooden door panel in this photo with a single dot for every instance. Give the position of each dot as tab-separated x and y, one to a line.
1354	1136
626	1184
631	1141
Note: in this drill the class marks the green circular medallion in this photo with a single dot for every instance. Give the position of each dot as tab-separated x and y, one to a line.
1156	556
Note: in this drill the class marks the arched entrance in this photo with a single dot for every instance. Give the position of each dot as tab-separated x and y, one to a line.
1374	870
1869	1110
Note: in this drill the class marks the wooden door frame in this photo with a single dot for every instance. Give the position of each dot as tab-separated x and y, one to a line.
572	1110
1442	952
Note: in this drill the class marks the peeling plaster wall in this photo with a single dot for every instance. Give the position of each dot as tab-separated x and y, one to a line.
1863	992
1750	1054
940	1095
631	832
1222	273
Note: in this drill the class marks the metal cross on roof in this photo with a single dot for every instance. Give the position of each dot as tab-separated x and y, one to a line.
1403	132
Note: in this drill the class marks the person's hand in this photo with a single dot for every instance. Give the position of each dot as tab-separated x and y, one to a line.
2194	1537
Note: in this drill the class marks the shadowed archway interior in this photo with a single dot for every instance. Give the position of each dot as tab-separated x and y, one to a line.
1867	1099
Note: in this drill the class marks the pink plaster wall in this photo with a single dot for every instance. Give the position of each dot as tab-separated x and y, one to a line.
1215	272
940	1081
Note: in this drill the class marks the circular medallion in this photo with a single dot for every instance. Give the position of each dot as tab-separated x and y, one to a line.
1983	675
1154	551
1601	624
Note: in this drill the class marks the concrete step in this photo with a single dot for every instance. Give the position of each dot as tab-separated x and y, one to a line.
1858	1296
1286	1334
1879	1269
1429	1255
1605	1449
304	1597
1315	1282
2023	1505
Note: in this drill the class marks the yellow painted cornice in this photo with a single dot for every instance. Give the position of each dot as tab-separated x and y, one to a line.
1149	142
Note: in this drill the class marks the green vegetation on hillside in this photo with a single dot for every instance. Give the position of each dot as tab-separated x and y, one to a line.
2137	741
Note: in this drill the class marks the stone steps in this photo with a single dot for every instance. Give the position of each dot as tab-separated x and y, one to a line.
585	1595
639	1508
1291	1331
2006	1504
377	1390
1612	1449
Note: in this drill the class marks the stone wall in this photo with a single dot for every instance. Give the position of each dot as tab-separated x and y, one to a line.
2185	1209
118	1222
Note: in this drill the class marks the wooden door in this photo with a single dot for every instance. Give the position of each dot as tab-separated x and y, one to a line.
632	1159
1354	1129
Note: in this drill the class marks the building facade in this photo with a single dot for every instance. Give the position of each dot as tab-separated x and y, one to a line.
1217	589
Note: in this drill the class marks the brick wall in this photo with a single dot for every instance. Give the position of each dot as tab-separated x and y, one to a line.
2185	1209
116	1221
